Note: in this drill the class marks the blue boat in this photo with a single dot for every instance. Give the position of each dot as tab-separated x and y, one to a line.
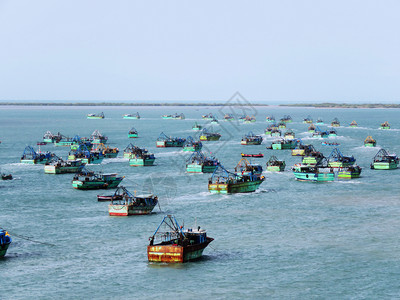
5	241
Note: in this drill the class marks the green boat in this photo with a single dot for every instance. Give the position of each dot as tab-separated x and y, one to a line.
225	182
209	135
369	142
133	133
281	125
5	241
335	123
319	134
249	119
60	166
251	139
349	172
283	144
337	160
192	145
353	124
244	167
199	163
275	165
270	119
89	180
30	156
319	122
276	133
289	135
140	157
49	138
87	157
131	116
63	141
311	128
286	119
229	117
98	138
313	173
96	116
385	125
332	133
174	116
129	150
312	157
384	161
106	151
308	120
164	141
196	127
268	130
208	117
214	121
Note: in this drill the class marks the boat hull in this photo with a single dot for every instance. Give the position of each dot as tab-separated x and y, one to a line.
3	249
132	135
240	187
140	162
61	170
196	168
209	138
95	185
384	165
129	210
339	164
250	142
276	168
343	174
298	152
34	161
370	144
316	177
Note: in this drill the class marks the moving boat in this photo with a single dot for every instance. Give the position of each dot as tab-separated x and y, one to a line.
199	163
89	180
87	157
209	135
6	176
369	142
98	138
319	122
165	141
283	144
132	116
5	241
384	161
315	173
192	145
308	120
172	243
259	155
337	160
332	133
30	156
349	172
335	122
281	125
244	167
106	151
96	116
385	125
133	133
275	165
318	133
251	139
60	166
289	135
140	157
249	119
353	124
124	203
208	116
196	127
229	117
301	149
270	119
330	144
174	116
311	128
214	121
287	119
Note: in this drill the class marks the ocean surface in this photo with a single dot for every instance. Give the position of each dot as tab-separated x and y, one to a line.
287	240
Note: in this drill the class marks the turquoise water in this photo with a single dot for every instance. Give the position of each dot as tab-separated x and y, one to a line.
287	240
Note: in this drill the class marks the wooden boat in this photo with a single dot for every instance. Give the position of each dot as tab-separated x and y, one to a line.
283	144
286	119
174	116
172	243
225	182
270	119
196	127
281	125
5	241
208	116
87	157
209	135
131	116
140	157
312	157
259	155
332	133
244	167
300	149
199	163
30	156
214	121
192	145
311	128
106	151
249	119
353	124
49	138
96	116
308	120
41	143
77	141
124	203
384	161
130	149
319	122
313	173
319	134
63	141
337	160
164	141
335	123
89	180
289	135
60	166
251	139
385	125
349	172
275	165
4	176
132	133
229	117
98	138
276	133
369	142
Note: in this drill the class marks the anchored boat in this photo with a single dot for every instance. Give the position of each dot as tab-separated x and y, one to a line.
132	133
369	142
165	141
335	123
208	116
172	243
337	160
140	157
308	120
196	127
332	133
96	116
192	145
249	119
319	122
281	125
124	203
300	149
353	124
89	180
251	139
60	166
98	138
87	157
132	116
286	119
385	125
49	138
5	241
283	144
209	135
174	116
214	121
106	151
30	156
199	163
311	128
275	165
384	161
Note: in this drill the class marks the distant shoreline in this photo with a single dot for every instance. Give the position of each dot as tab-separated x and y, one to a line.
342	105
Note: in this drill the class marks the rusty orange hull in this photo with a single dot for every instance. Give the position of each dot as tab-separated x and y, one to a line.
176	253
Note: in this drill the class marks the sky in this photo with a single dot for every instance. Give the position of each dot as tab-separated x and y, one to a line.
286	51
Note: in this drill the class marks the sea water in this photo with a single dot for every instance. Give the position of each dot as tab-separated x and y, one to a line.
288	239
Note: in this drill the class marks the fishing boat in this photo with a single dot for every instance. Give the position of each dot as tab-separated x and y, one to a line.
192	145
385	125
131	116
5	241
311	128
132	133
308	120
337	160
353	124
283	144
300	149
244	167
214	121
369	142
208	116
4	176
270	119
196	127
259	155
77	140
312	157
63	141
164	141
87	157
60	166
130	149
49	137
106	151
276	133
89	180
98	138
349	172
384	161
289	135
229	117
332	133
207	135
224	182
177	116
140	157
96	116
198	162
335	123
268	130
319	134
319	122
124	203
286	119
172	243
281	125
251	139
313	173
275	165
30	156
329	144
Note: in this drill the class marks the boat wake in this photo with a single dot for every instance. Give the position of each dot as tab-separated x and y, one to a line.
114	160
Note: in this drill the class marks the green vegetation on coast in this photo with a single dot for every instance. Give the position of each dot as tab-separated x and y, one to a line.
343	105
127	104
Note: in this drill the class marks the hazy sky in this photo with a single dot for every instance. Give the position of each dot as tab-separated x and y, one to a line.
269	51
